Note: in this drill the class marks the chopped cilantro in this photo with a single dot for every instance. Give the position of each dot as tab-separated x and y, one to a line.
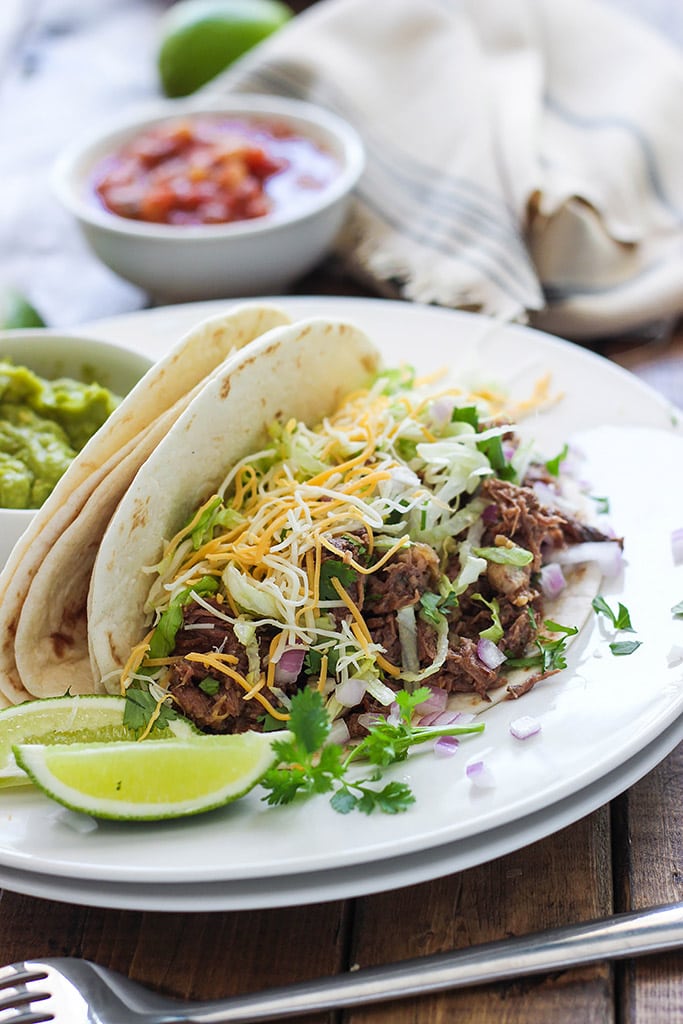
551	653
622	647
140	706
435	606
602	503
313	660
310	765
620	619
553	465
492	448
333	568
678	608
466	414
209	686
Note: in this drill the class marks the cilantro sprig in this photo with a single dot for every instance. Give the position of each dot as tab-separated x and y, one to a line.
309	765
621	620
550	656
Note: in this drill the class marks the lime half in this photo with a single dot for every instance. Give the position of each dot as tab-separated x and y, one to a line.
147	780
86	718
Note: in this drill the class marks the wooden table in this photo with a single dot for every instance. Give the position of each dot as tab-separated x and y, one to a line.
65	65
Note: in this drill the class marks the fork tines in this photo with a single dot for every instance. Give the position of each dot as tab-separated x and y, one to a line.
16	998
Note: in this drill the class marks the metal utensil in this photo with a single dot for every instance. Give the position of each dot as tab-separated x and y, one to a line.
71	991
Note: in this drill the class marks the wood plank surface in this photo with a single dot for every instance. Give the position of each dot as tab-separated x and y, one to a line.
566	877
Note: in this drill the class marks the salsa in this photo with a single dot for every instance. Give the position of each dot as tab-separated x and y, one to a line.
210	169
43	425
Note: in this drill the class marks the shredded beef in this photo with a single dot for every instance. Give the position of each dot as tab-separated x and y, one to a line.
402	581
226	710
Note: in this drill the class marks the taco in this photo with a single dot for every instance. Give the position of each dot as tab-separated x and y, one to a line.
314	528
44	585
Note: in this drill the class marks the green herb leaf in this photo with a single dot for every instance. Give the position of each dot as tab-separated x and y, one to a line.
334	568
139	708
307	766
620	619
210	687
602	504
466	414
551	653
678	608
553	465
623	647
434	606
492	448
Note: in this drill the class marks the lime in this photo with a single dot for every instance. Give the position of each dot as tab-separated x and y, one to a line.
199	38
17	311
147	781
85	718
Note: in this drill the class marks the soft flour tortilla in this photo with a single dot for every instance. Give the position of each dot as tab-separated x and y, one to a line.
571	608
77	509
302	371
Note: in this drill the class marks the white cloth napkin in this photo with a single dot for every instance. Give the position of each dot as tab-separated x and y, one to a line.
524	158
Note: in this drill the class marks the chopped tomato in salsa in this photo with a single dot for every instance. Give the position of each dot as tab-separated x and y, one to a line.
211	170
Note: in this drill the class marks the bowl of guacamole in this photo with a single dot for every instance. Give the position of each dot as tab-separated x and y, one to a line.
56	391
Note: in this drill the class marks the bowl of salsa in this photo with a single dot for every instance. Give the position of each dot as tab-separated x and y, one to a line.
214	198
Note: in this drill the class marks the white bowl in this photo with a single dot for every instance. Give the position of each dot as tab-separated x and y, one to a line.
189	262
51	355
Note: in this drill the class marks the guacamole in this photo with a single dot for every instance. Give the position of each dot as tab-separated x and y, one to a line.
43	425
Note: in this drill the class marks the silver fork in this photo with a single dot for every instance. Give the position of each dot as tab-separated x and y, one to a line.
71	991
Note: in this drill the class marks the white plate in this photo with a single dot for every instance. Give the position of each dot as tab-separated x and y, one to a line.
596	716
344	883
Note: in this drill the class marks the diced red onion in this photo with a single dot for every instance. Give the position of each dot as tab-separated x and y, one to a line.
509	450
81	823
552	579
339	733
289	665
524	727
434	704
675	656
480	775
407	634
394	716
677	545
369	718
442	718
350	692
489	654
441	410
607	554
446	746
490	514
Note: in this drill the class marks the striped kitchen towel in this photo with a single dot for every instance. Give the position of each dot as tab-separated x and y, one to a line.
524	158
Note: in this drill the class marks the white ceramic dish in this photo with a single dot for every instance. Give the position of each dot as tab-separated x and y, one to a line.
51	355
341	883
596	716
180	263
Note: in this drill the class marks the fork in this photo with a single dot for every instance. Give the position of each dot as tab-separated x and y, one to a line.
68	990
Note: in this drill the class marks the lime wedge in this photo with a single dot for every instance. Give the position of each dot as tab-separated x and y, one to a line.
148	781
16	311
199	38
87	718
